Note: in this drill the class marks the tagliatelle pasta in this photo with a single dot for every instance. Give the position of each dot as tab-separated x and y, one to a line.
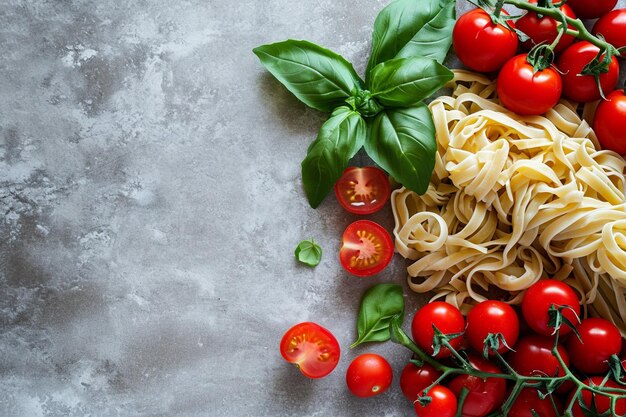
513	200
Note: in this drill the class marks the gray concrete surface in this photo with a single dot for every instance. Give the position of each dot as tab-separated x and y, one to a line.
151	201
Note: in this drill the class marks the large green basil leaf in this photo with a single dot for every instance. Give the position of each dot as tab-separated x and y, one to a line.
413	28
339	139
403	143
381	304
319	77
404	82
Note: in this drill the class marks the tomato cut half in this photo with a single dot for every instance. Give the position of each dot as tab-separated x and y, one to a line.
363	190
366	248
312	348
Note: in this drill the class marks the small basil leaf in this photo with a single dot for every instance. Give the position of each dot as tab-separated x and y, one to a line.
402	142
339	139
404	82
320	78
381	304
309	253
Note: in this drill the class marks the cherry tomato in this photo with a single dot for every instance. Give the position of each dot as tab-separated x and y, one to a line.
443	404
584	88
602	402
368	375
446	317
414	379
538	299
313	349
544	29
362	190
492	317
529	401
481	45
613	27
526	92
600	340
366	248
485	395
591	9
610	120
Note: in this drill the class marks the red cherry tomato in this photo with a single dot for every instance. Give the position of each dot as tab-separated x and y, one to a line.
368	375
584	88
446	317
481	45
529	401
366	248
313	349
600	340
610	120
492	317
538	299
591	9
414	379
613	27
362	190
526	92
485	395
602	402
544	29
443	404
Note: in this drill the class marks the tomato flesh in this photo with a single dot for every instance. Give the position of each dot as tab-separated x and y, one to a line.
414	379
312	348
529	401
613	27
485	395
538	299
591	9
600	340
448	320
443	404
544	29
602	402
492	317
362	190
610	120
369	375
366	248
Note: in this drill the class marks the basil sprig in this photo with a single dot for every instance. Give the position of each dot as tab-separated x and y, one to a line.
385	114
381	304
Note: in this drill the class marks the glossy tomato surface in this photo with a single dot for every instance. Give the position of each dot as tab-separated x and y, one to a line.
526	92
613	27
485	395
602	402
312	348
443	404
363	190
584	88
610	120
538	299
366	248
529	401
599	339
446	317
591	9
481	45
543	29
492	317
368	375
414	379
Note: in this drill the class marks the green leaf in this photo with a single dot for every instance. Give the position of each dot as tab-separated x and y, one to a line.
404	82
402	142
408	28
380	305
309	253
320	78
339	139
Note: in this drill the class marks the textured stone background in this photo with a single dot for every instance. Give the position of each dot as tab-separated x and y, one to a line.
152	201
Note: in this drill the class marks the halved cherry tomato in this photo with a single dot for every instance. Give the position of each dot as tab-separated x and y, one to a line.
448	320
544	29
529	401
613	27
492	317
599	340
610	120
312	348
368	375
602	402
414	379
362	190
538	299
366	248
591	9
443	403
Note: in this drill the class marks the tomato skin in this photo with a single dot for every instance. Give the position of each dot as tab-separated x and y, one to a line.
443	404
368	375
600	340
613	27
584	88
529	400
610	120
525	92
484	395
366	248
591	9
545	29
481	45
538	299
414	379
312	348
446	317
602	402
362	190
492	317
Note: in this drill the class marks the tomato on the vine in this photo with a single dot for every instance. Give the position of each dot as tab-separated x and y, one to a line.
587	9
602	402
599	340
313	349
414	379
538	299
544	29
369	374
362	190
448	320
366	248
443	403
612	27
529	401
610	120
482	45
492	317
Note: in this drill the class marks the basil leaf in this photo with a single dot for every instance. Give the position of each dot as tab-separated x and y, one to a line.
413	28
339	139
404	82
319	78
381	304
309	253
402	142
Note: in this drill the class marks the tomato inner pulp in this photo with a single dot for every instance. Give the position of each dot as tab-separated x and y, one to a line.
368	250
